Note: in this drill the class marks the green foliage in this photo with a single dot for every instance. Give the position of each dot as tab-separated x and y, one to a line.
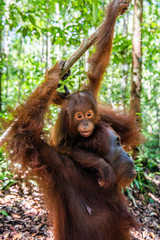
140	182
6	177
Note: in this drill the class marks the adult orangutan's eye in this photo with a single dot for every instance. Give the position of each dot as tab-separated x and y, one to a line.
118	141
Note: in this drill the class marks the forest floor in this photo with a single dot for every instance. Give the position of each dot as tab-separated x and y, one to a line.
22	214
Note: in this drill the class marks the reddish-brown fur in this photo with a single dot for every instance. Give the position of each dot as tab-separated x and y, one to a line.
80	207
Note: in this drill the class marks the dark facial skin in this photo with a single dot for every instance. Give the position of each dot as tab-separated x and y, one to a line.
120	161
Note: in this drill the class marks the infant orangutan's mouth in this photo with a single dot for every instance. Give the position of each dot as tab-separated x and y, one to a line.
85	133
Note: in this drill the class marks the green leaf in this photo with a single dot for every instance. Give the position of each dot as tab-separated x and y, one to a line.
8	183
151	200
31	19
95	11
3	212
25	31
137	183
2	175
24	17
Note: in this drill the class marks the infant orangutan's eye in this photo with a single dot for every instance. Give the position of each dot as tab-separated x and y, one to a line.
78	116
89	114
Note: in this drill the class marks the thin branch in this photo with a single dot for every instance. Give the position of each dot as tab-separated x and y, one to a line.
86	44
4	135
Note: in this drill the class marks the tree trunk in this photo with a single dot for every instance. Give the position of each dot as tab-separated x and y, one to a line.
125	65
135	101
136	59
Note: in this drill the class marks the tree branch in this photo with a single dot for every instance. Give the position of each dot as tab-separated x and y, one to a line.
86	44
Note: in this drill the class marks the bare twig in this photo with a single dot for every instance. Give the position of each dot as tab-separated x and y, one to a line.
4	135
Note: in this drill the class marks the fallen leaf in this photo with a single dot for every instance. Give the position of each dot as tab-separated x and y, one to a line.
16	216
17	236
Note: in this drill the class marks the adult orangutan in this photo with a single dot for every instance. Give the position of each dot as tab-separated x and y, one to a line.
82	169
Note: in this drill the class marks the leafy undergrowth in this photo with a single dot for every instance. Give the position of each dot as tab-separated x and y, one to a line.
22	214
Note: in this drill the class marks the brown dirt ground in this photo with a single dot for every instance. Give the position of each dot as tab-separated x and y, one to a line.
27	218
